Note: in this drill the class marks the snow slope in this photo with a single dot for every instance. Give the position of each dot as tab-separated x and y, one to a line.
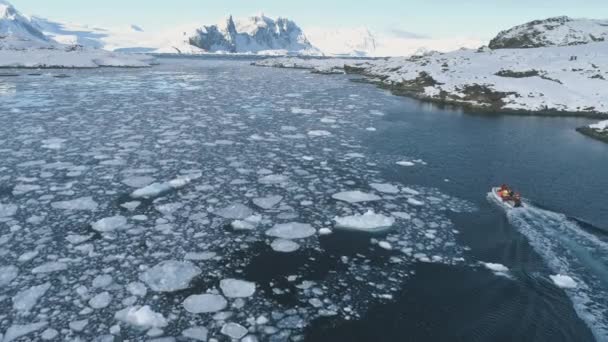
558	31
18	32
23	44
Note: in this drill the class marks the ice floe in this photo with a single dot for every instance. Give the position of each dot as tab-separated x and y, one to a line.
292	230
16	331
170	275
110	224
355	197
385	188
235	288
205	303
8	274
234	330
141	317
25	300
267	202
196	333
83	203
236	211
563	281
284	246
368	222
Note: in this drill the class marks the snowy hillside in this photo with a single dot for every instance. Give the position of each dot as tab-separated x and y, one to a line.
363	42
24	44
255	34
558	31
572	79
18	32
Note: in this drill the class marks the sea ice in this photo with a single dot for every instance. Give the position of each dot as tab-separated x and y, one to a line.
25	300
235	288
405	163
355	197
137	289
385	245
563	281
319	133
51	266
385	188
138	181
236	211
157	189
141	317
284	246
205	303
196	333
82	204
170	275
292	230
273	179
267	202
415	202
7	210
100	301
16	331
368	222
8	274
102	281
110	224
234	330
496	267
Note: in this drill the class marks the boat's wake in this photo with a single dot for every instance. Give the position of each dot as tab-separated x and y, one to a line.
570	250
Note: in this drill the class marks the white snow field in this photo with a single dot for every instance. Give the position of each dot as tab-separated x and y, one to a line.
129	227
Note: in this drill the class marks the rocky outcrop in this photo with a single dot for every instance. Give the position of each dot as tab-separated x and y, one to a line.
558	31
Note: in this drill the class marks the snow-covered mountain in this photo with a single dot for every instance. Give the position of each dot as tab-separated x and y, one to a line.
558	31
256	34
364	42
24	44
18	32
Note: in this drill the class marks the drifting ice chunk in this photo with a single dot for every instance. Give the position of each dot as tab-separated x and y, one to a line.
355	197
284	246
234	331
137	289
170	275
200	256
157	189
110	224
325	231
138	181
385	245
496	267
49	267
292	230
386	188
205	303
79	325
234	288
196	333
16	331
267	202
25	300
141	317
8	274
405	163
102	281
7	210
319	133
563	281
100	301
82	203
415	202
273	179
368	222
235	211
242	225
49	334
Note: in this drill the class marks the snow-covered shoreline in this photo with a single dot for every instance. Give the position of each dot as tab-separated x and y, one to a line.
552	81
65	59
598	130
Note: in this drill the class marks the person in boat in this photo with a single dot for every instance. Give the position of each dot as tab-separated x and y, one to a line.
517	200
505	192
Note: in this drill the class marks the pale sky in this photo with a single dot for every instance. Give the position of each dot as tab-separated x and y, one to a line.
435	18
